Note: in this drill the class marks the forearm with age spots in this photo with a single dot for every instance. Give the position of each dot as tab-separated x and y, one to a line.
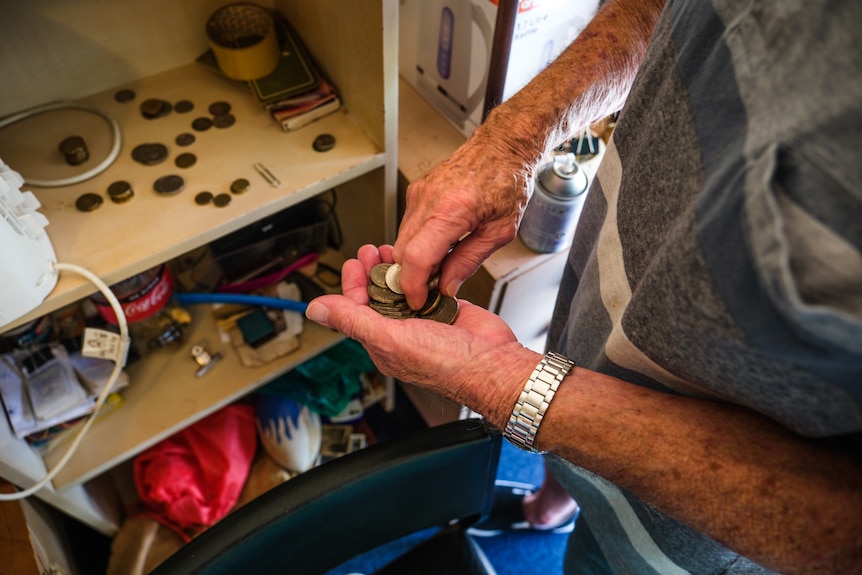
788	502
587	82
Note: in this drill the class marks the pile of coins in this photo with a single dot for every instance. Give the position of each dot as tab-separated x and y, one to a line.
388	299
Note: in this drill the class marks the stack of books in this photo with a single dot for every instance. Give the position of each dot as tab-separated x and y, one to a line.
295	93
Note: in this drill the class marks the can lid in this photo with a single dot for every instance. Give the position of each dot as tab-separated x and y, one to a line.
562	177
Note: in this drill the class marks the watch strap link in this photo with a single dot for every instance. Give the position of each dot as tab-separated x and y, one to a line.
538	392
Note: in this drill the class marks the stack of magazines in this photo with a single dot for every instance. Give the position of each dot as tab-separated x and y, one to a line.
46	391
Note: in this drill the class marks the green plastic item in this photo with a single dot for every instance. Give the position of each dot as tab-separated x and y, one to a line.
327	382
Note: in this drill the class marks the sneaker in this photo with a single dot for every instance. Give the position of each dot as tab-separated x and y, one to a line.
507	513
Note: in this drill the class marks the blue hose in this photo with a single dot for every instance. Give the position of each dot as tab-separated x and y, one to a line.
273	302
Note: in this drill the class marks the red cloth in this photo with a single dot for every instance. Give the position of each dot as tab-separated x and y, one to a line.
193	478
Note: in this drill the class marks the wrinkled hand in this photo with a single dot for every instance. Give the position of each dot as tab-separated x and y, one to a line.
455	361
480	190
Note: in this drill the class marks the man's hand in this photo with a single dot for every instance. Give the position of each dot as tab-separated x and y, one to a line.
470	204
475	361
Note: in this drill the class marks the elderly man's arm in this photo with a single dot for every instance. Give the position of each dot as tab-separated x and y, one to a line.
788	502
483	188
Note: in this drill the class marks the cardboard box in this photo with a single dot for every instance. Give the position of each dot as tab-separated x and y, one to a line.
447	47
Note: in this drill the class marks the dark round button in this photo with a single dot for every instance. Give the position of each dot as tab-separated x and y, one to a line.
185	139
221	200
124	96
120	192
240	186
155	108
219	108
202	124
150	154
88	202
186	160
323	142
203	198
168	185
184	106
75	150
224	121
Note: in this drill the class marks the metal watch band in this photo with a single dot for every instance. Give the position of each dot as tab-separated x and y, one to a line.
534	400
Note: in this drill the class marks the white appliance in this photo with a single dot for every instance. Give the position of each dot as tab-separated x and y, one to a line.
27	258
448	45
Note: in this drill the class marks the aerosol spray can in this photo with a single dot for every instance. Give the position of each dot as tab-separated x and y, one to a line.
553	211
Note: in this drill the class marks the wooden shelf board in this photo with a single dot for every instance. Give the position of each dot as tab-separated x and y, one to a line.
118	240
164	396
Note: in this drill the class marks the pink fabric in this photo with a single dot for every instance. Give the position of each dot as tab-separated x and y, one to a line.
193	478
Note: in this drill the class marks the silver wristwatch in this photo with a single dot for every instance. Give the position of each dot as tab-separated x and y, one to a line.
534	400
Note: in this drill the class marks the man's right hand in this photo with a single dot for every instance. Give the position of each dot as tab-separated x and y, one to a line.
458	214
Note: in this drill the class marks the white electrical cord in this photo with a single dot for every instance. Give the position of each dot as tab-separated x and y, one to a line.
103	396
103	165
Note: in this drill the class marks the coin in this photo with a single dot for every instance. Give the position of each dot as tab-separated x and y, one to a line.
383	295
323	142
219	108
186	160
184	106
185	139
221	200
203	198
240	186
224	121
391	304
431	302
392	278
389	308
88	202
392	312
150	154
169	185
202	124
447	310
378	275
120	192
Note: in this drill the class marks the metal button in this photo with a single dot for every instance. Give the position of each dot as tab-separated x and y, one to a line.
88	202
219	108
186	160
124	96
202	124
224	121
75	150
185	139
150	154
240	186
221	200
169	185
203	198
120	192
323	142
184	106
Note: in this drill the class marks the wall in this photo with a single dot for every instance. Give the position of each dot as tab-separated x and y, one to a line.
39	38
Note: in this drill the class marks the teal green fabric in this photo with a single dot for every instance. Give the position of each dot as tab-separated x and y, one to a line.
327	382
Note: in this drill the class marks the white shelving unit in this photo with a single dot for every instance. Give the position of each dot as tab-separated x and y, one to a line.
88	50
